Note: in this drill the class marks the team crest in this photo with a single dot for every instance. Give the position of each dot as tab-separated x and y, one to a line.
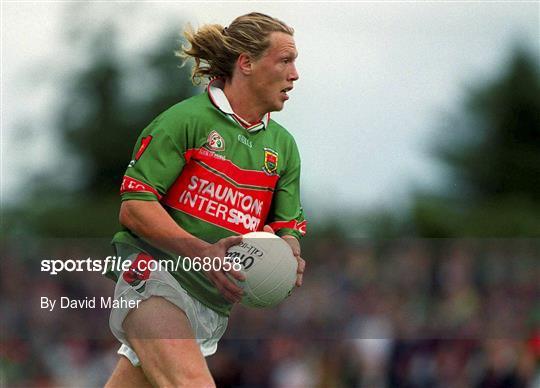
270	161
215	141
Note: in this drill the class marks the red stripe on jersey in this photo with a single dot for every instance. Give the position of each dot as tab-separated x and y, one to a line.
144	144
204	194
231	170
132	185
299	226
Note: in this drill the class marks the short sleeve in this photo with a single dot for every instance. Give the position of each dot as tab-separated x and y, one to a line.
287	215
156	162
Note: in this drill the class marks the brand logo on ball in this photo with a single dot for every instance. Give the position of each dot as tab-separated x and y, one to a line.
246	255
270	161
269	267
215	141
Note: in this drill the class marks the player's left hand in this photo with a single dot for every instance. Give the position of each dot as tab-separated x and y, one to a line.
295	246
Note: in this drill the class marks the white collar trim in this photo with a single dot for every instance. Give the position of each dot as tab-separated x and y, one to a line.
219	99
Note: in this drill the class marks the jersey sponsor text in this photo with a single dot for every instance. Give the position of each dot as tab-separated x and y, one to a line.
222	202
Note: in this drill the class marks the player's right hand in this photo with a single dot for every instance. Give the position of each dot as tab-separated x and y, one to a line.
230	291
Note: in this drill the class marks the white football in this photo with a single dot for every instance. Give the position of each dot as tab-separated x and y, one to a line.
269	266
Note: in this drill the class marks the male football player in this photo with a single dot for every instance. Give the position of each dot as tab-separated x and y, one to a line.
203	173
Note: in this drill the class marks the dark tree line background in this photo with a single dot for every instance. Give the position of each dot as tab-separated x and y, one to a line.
489	149
106	105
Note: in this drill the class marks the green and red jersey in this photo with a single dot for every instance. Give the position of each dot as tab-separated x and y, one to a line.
217	176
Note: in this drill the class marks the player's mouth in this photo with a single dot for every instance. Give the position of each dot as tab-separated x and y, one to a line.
285	91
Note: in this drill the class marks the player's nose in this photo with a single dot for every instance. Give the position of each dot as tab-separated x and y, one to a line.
293	76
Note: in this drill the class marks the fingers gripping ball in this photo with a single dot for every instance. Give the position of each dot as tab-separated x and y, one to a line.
269	266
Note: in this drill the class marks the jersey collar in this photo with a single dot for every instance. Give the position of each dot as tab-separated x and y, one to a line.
219	99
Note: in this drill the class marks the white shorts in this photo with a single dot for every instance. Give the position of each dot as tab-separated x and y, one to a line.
207	325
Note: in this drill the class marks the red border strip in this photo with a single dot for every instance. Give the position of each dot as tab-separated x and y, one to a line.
231	170
299	226
132	185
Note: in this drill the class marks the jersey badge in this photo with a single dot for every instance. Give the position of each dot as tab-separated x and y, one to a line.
215	141
270	161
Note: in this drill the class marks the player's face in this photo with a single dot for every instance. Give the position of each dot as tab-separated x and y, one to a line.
275	72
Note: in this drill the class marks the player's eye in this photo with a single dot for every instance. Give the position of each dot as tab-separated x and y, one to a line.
285	60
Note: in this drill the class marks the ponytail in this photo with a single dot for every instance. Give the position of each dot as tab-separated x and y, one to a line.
215	48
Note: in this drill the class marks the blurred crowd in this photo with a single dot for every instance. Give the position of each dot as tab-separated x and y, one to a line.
396	313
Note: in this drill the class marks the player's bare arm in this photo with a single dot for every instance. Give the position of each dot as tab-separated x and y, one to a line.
295	246
150	221
296	249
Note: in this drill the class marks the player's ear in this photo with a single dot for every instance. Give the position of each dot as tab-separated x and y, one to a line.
245	63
